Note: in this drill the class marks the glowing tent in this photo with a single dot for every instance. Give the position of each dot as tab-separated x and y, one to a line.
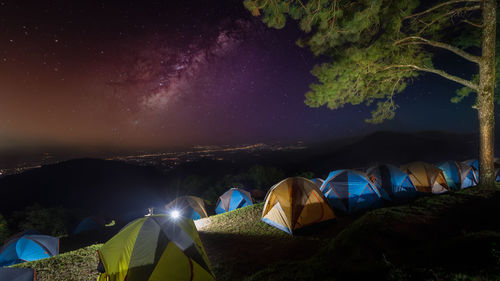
233	199
154	248
392	182
426	177
350	191
188	206
458	175
294	203
28	248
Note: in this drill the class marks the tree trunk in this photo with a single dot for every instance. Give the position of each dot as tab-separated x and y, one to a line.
486	106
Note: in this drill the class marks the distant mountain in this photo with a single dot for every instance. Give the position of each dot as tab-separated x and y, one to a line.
396	148
111	187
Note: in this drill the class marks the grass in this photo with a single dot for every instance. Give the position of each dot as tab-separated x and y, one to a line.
243	221
453	236
78	265
238	243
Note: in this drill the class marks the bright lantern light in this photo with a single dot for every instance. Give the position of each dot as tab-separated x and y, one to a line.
175	214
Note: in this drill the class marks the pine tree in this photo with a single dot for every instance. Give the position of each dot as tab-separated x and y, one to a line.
377	47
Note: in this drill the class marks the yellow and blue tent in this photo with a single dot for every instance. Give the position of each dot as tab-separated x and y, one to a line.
426	177
294	203
155	247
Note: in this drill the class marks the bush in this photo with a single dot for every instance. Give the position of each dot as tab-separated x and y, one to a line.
50	221
4	230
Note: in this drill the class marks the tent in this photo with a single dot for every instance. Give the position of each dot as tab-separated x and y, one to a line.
392	183
87	224
318	182
233	199
28	248
458	175
474	163
17	274
155	247
294	203
426	177
350	191
188	206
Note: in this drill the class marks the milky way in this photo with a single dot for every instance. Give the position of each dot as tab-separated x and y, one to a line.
159	75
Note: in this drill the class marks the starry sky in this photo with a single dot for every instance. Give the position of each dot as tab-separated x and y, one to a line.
159	74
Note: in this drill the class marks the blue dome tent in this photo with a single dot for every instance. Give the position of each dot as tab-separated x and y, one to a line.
28	248
233	199
350	191
458	175
392	182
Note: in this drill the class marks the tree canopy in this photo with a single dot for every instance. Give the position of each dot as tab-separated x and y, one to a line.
377	47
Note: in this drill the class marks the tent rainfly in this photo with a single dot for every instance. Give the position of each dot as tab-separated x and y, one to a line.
28	248
233	199
350	191
392	183
458	175
426	177
294	203
155	247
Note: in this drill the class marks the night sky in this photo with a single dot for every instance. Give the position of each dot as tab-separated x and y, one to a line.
158	74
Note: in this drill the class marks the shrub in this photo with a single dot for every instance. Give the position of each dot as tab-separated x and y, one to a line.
4	229
50	221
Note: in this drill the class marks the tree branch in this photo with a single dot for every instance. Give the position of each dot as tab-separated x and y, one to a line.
441	45
441	5
473	23
450	13
441	73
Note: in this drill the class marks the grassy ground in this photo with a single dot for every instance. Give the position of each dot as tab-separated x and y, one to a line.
453	236
78	265
238	243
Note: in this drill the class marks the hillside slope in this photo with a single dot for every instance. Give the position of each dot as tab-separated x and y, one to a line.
454	236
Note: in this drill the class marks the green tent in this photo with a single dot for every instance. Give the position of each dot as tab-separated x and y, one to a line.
155	248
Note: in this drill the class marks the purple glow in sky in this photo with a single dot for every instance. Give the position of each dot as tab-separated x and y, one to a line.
151	75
